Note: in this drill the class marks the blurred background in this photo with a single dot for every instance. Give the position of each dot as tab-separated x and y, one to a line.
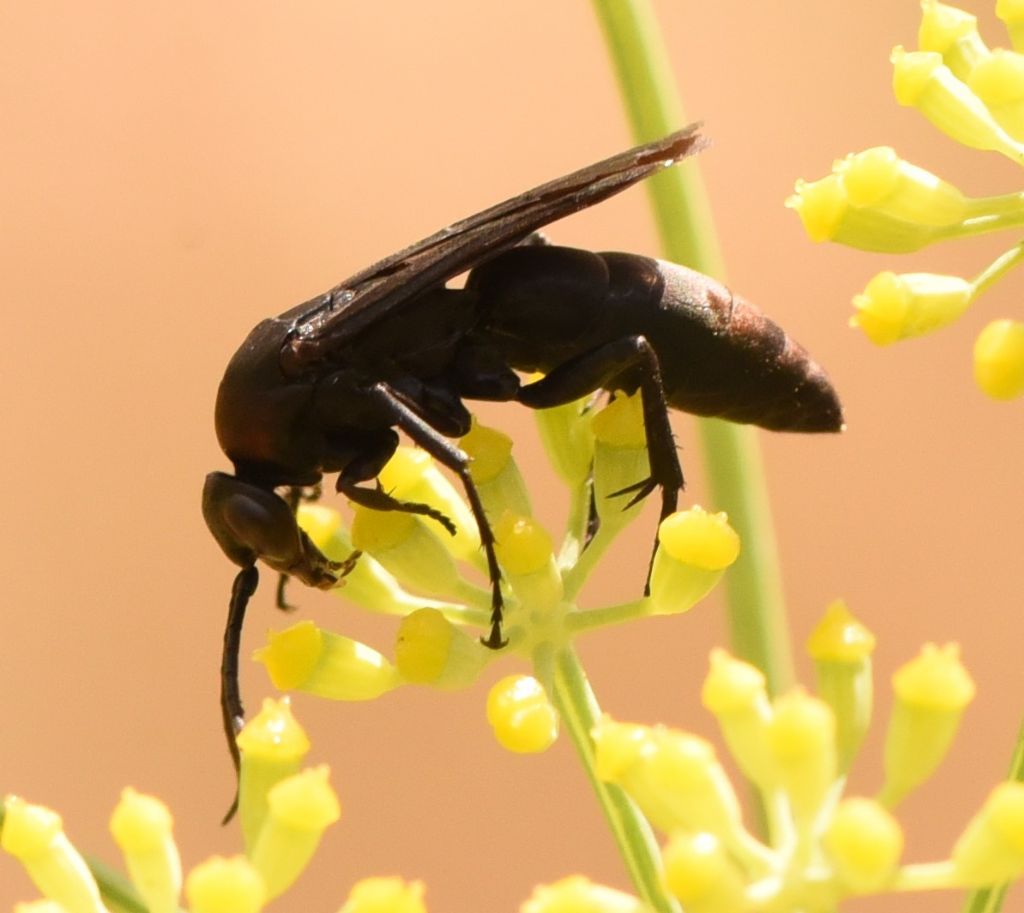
171	173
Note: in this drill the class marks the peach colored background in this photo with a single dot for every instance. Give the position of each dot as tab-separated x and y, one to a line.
172	172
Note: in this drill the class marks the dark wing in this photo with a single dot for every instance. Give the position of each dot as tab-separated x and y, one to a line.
332	320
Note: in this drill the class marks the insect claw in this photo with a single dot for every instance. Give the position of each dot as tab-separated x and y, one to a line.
642	489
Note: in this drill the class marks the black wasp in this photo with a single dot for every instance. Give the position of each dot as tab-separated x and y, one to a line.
323	387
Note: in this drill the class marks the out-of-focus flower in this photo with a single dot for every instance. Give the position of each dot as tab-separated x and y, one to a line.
282	829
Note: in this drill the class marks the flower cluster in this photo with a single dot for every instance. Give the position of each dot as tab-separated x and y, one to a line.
412	567
284	810
822	846
874	200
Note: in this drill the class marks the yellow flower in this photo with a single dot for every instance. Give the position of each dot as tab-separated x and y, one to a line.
385	895
931	692
801	740
991	849
735	692
525	554
273	746
495	473
34	835
921	80
299	809
142	828
521	715
408	548
999	359
879	180
864	843
577	894
673	776
841	648
895	307
221	884
701	874
430	650
307	658
694	549
411	475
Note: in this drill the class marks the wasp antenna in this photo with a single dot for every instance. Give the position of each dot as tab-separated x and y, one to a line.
232	711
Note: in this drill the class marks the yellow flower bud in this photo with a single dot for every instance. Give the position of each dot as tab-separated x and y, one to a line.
142	827
620	458
864	843
991	849
577	894
494	471
525	554
701	874
221	884
273	746
895	307
411	475
998	81
674	777
735	692
299	810
1012	14
827	215
310	659
821	206
841	648
368	585
407	548
523	719
921	80
694	549
568	439
999	359
430	650
385	895
953	33
879	179
801	740
34	835
931	692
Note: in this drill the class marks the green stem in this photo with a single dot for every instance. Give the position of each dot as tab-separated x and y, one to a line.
579	713
591	619
119	896
731	455
998	268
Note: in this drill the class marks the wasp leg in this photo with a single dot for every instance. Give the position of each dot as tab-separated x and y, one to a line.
601	368
367	465
293	496
455	459
378	499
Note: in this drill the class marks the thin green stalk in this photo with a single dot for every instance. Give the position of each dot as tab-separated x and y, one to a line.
998	268
117	892
579	713
731	454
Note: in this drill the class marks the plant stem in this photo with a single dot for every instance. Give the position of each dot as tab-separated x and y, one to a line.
731	454
579	713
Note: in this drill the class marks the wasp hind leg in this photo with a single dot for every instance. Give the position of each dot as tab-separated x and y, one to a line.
601	367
